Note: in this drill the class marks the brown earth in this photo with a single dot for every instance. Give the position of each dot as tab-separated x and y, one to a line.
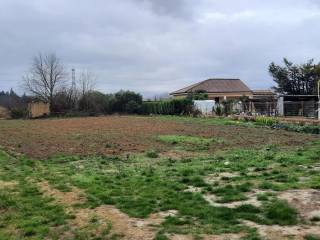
306	201
122	225
7	184
276	232
125	134
210	237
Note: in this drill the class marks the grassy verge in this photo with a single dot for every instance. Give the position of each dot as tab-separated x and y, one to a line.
140	185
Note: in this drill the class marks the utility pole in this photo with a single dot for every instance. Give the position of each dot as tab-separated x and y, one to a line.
73	78
73	94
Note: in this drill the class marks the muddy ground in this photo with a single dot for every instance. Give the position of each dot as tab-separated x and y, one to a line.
124	134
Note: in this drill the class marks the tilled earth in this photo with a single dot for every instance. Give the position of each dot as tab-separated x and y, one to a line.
128	134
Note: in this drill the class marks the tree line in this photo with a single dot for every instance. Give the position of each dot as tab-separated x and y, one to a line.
48	81
295	79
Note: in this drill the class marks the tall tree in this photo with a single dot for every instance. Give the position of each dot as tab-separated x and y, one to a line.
46	77
295	79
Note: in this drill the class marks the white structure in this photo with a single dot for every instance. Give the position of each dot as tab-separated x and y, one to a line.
204	106
281	106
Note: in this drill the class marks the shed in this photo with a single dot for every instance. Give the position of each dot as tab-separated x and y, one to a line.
38	109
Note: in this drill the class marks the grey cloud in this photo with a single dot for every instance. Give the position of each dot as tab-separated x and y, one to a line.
176	8
158	46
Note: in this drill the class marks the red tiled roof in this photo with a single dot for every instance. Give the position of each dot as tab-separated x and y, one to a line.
216	85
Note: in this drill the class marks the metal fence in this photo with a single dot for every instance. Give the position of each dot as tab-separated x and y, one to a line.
264	108
301	108
307	109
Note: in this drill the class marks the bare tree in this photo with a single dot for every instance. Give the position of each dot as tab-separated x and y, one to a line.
47	76
86	82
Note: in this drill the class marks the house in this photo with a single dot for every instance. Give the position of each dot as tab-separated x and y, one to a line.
218	89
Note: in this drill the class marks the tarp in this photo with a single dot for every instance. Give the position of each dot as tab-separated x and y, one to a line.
204	106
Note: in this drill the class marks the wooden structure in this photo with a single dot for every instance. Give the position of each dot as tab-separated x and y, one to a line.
38	109
4	113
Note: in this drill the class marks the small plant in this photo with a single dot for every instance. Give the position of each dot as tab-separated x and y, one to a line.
269	121
152	154
315	219
218	109
311	237
279	212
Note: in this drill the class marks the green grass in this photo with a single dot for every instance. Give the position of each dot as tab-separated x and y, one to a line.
152	154
140	185
23	208
279	212
311	237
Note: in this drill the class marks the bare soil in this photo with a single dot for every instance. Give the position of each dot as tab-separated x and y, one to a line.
306	201
274	232
126	134
7	184
210	237
122	225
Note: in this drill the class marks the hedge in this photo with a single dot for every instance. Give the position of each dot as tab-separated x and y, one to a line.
168	107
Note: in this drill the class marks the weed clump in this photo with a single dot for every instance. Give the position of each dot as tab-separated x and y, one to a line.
152	154
279	212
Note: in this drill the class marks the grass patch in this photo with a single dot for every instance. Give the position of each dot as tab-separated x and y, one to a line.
311	237
152	154
139	186
279	212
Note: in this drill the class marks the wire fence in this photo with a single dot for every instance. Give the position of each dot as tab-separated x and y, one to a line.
301	108
307	109
264	108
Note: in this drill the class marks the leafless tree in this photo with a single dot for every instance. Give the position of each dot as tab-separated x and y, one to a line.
46	77
86	82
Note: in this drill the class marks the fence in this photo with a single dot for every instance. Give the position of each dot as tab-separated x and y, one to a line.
301	108
307	109
268	108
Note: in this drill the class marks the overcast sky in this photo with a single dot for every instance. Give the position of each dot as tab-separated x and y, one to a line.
156	46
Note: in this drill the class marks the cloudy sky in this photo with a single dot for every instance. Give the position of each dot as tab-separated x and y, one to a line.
156	46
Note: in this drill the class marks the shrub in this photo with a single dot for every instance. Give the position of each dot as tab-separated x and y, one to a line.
132	107
126	99
297	128
218	109
152	154
269	121
311	237
279	212
169	107
19	113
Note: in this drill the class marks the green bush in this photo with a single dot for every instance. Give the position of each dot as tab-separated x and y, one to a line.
168	107
298	128
152	154
269	121
19	113
132	107
279	212
218	109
